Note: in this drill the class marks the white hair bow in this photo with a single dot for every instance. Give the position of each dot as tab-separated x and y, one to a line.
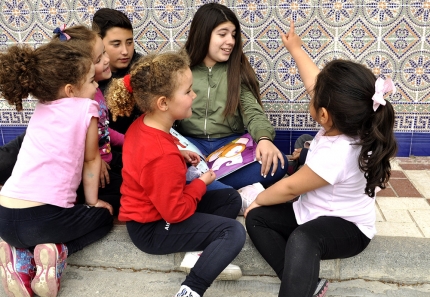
381	87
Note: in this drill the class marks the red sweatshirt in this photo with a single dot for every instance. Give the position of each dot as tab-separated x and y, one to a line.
154	185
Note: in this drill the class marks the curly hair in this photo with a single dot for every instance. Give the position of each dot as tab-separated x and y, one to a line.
345	89
41	72
151	76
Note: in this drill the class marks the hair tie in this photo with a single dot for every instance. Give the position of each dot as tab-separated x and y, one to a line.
381	87
63	36
127	83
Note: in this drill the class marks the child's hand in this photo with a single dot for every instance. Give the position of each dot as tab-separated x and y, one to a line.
104	204
104	174
291	40
296	154
254	204
190	157
208	177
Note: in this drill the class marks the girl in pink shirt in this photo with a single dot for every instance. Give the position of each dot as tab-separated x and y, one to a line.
347	161
38	216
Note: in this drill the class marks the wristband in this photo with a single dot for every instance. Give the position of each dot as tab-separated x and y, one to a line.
264	139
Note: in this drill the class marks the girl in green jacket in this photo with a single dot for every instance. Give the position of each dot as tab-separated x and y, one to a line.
228	97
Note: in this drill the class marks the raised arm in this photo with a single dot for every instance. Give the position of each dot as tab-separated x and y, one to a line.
307	68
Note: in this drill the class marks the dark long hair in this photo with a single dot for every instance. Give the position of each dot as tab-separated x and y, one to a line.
239	72
345	89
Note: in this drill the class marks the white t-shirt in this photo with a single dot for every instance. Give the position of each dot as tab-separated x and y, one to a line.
50	161
335	159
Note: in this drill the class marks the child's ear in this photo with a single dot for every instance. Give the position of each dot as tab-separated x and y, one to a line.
68	90
324	116
162	103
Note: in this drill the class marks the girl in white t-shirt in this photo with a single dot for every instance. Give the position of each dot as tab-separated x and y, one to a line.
38	215
347	161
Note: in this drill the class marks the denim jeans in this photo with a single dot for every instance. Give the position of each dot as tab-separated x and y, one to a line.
212	228
294	251
246	175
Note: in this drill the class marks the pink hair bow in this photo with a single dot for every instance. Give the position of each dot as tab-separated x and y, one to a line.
63	36
381	87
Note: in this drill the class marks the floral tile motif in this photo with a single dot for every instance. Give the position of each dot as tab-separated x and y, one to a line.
415	71
136	10
170	13
286	72
382	12
338	13
401	38
152	39
381	63
260	64
358	38
316	38
85	10
53	13
419	12
300	11
17	15
253	13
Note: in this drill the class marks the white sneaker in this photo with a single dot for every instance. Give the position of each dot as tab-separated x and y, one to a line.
249	194
186	291
231	272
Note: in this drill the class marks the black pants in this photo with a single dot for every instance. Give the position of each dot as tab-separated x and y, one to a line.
212	228
294	251
76	227
8	156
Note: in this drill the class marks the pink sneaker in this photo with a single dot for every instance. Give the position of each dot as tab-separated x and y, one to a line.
17	270
50	261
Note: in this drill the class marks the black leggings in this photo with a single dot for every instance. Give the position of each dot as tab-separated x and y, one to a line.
212	228
76	227
294	251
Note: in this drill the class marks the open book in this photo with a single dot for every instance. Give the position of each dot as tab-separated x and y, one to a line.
226	159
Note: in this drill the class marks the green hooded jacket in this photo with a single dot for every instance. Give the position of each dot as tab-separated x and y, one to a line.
207	120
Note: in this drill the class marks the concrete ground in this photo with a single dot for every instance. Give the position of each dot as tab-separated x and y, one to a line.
395	264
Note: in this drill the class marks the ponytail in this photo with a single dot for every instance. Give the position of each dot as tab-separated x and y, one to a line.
18	74
378	147
118	99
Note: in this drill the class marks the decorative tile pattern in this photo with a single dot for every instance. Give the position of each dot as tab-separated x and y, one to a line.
391	37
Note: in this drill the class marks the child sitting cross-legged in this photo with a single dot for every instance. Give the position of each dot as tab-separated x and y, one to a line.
162	212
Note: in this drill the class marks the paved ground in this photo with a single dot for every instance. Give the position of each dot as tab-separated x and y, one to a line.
84	282
403	210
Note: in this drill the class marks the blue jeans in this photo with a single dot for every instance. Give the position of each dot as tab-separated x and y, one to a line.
246	175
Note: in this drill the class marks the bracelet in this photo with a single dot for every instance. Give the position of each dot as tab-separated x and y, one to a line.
264	139
89	206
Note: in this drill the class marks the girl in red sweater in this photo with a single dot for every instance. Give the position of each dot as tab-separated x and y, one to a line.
164	214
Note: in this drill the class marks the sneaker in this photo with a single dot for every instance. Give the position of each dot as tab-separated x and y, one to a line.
231	272
321	289
50	261
186	291
17	270
249	194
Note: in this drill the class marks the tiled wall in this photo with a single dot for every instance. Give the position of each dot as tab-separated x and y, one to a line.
392	37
